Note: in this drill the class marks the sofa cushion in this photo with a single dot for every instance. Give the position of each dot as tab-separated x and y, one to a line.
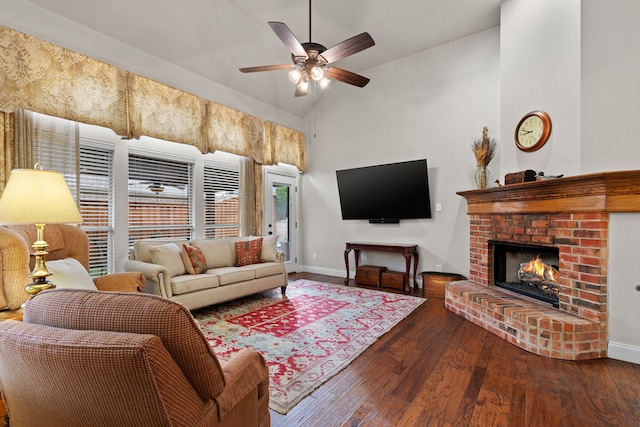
248	252
69	273
217	252
193	260
270	248
140	251
190	283
267	269
231	275
168	256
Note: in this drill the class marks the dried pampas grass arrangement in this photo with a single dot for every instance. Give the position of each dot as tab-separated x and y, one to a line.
485	148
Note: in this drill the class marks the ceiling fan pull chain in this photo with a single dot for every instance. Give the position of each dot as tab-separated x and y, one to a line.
309	21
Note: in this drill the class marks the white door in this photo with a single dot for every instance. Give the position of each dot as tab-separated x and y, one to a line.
281	213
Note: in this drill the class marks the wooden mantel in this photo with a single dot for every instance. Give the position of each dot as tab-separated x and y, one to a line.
599	192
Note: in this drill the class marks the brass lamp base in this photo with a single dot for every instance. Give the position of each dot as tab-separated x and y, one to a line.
40	272
34	287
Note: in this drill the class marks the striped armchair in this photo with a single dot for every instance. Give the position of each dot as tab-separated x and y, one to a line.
65	241
92	358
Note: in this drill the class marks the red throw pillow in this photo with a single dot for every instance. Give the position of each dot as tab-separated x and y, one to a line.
249	252
193	259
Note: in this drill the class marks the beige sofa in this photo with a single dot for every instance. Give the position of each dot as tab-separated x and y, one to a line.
202	272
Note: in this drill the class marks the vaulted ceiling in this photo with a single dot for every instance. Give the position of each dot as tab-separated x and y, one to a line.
213	38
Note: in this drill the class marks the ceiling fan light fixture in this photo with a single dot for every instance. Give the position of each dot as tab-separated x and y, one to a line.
304	85
324	82
295	75
317	73
155	188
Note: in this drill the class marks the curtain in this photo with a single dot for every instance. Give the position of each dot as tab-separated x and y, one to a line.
248	225
162	112
234	132
50	142
6	157
257	176
23	150
45	78
276	150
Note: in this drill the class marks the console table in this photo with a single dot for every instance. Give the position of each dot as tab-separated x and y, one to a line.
407	250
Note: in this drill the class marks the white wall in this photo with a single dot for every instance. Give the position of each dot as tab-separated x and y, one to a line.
610	85
540	70
624	299
431	105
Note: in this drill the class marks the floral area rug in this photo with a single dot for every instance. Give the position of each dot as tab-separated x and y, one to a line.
307	336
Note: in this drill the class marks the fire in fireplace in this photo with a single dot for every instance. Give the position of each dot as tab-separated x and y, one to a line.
528	270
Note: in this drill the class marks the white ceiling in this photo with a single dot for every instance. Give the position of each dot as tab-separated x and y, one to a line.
213	38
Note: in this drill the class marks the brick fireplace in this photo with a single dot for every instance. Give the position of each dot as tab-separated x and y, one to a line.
570	214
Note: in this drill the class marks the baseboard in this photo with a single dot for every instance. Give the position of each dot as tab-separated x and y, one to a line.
624	352
339	273
326	271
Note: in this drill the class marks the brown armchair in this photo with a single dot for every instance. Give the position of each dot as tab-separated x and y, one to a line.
65	241
91	358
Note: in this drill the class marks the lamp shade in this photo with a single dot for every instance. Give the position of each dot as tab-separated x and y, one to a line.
35	196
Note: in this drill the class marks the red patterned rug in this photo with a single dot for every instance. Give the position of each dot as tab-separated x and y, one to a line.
306	337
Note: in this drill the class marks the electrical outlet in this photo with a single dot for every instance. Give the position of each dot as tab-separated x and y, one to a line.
315	255
363	256
438	207
438	268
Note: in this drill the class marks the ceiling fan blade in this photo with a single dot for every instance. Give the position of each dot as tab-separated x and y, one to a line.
266	68
287	37
346	76
348	47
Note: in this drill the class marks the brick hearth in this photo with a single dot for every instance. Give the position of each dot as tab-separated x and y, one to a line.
571	214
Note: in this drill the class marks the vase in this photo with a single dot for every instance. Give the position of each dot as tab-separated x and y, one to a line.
482	176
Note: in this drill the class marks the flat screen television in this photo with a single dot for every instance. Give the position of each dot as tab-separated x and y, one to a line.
385	193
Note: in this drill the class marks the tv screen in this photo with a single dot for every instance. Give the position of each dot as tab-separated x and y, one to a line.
385	193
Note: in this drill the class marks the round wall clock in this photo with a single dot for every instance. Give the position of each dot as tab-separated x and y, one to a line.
533	131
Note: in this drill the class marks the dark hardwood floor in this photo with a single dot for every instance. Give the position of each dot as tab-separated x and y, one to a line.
437	369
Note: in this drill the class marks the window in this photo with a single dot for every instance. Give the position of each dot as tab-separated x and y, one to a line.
160	198
88	171
221	200
96	205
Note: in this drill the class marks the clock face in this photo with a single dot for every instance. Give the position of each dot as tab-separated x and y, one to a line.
533	131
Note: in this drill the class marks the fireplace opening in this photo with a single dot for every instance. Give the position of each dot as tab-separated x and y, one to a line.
528	270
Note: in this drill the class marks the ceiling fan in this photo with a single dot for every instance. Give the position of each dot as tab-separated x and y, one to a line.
155	187
313	61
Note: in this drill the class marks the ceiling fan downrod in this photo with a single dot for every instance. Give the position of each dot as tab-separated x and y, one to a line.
309	21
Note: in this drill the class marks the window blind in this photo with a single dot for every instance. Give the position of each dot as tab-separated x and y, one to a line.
222	199
160	198
97	205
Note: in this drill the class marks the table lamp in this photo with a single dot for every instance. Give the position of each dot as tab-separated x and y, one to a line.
35	196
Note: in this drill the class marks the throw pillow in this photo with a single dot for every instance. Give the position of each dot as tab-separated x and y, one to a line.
270	248
249	252
217	252
193	260
169	256
69	273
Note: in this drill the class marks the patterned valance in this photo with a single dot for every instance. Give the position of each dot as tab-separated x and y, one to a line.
275	152
45	78
42	77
